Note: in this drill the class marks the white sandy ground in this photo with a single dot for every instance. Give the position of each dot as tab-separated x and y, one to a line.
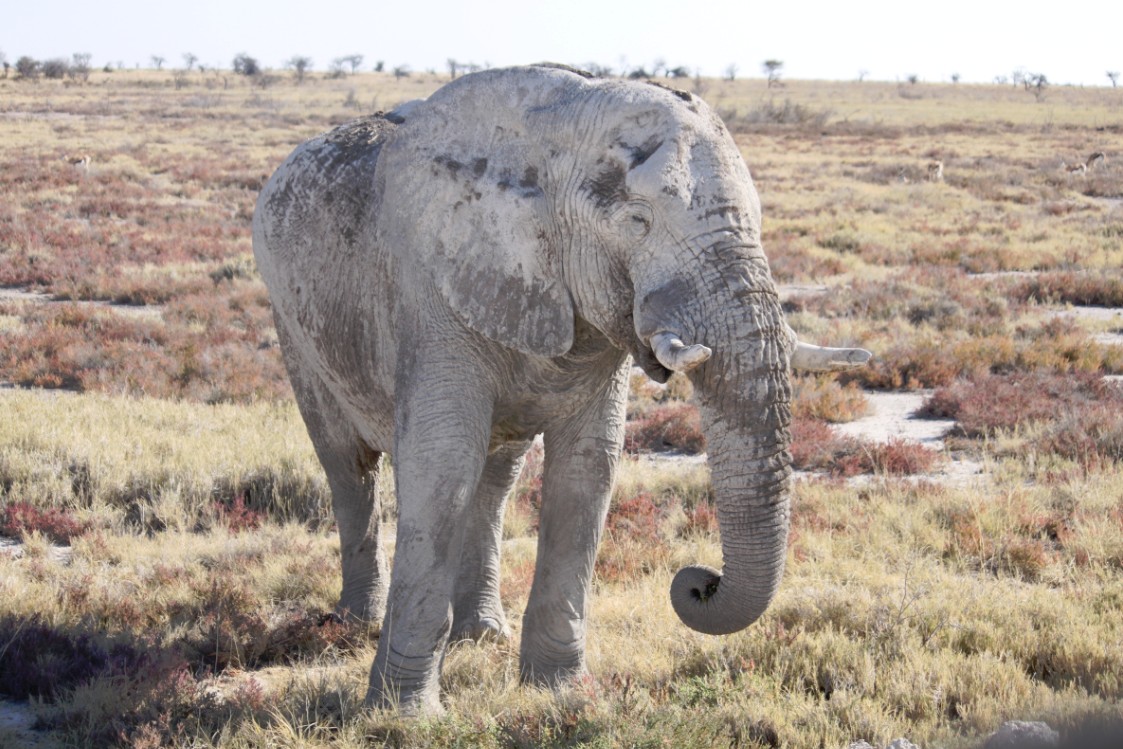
153	311
16	720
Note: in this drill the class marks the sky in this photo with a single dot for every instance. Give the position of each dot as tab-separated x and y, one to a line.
1075	42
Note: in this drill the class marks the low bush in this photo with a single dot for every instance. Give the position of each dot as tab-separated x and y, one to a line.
634	544
985	404
822	397
816	447
20	518
675	426
1090	289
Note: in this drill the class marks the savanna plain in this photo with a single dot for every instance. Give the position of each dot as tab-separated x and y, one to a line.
168	562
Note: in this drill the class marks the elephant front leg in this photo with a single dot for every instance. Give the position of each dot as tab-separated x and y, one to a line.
439	455
581	457
352	471
478	612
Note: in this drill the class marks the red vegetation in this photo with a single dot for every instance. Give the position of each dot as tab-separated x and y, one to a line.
1095	289
1082	412
19	518
671	426
236	516
633	542
816	447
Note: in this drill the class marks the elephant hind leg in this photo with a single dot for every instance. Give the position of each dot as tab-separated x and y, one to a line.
358	509
477	611
352	467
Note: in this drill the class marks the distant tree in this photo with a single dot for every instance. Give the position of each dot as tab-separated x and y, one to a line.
55	68
246	65
189	60
299	65
4	63
862	74
1037	83
401	71
598	70
80	66
353	61
912	78
28	67
157	62
379	66
453	68
639	73
1001	80
680	72
1112	75
955	77
772	69
659	67
1020	78
731	71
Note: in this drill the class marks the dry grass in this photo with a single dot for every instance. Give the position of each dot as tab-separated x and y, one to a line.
904	612
191	611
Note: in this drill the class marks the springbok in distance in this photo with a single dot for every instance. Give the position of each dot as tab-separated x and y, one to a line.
81	161
935	171
1087	166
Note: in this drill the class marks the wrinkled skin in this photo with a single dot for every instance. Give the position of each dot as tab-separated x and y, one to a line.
456	277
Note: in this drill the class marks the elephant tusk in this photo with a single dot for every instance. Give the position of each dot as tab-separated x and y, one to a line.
809	358
677	356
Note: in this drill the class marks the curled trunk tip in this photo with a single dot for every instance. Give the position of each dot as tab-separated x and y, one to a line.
697	597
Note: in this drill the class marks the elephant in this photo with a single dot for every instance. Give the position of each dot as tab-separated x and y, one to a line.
455	277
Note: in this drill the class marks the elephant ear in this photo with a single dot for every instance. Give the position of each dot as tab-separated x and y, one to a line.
470	216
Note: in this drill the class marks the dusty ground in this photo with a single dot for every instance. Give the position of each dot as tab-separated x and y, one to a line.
16	720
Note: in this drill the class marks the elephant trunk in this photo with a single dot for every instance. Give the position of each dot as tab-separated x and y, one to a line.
750	481
745	399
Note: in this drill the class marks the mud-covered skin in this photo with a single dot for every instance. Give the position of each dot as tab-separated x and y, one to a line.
453	278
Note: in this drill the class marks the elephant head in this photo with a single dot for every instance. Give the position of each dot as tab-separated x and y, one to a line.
626	206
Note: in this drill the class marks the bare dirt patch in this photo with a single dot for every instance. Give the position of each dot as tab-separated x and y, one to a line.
893	416
15	550
1100	317
16	722
38	297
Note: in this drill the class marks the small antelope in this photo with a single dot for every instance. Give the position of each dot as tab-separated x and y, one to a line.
1087	166
935	171
82	161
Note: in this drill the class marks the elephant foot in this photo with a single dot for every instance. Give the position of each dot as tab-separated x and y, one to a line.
410	704
481	629
363	607
408	697
550	675
552	651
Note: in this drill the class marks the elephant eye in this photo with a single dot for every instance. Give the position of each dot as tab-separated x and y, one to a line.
632	219
638	225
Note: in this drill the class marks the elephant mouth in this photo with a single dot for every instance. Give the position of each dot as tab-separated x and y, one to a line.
647	361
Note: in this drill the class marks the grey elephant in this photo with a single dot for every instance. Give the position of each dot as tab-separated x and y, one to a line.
451	279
